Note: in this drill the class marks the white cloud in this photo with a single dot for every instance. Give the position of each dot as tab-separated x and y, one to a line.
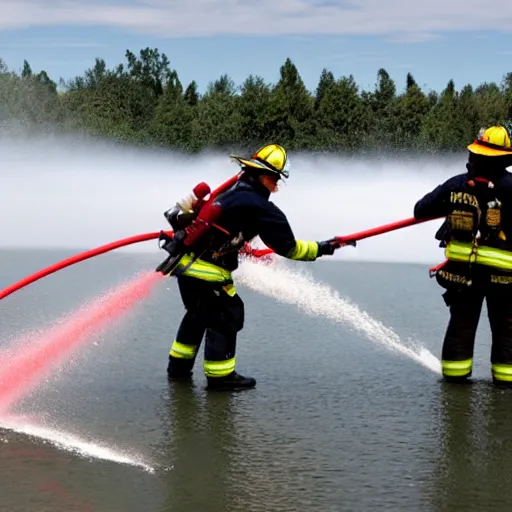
50	44
396	20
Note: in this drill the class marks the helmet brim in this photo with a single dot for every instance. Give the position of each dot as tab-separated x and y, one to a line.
482	148
255	164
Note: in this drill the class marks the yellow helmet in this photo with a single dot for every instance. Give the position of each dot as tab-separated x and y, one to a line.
495	141
269	159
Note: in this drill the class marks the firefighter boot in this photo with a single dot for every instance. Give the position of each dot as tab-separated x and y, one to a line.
179	369
231	381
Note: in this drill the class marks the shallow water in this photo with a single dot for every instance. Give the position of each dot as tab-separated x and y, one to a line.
336	423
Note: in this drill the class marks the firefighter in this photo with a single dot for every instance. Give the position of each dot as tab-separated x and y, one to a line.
477	237
213	307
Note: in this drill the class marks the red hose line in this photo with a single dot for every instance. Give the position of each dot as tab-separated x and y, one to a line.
386	228
102	249
151	236
76	259
354	237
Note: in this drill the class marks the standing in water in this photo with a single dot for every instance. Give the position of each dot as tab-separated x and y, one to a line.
213	307
477	237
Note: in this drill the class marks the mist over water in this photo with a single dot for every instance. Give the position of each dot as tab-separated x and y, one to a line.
79	194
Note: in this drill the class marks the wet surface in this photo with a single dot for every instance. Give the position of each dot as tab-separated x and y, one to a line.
337	422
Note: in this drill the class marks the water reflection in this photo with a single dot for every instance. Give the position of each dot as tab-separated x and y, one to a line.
198	446
474	469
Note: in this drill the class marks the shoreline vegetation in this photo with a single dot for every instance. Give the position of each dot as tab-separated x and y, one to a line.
142	102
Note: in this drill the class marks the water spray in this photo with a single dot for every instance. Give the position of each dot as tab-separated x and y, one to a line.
27	367
319	299
24	369
51	348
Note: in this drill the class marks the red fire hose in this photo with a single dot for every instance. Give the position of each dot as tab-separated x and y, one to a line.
151	236
100	250
354	237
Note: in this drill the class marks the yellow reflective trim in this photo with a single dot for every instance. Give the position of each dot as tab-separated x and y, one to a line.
204	270
304	251
457	368
482	255
182	350
219	368
502	372
230	290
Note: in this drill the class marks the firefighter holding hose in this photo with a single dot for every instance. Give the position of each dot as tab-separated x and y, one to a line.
205	251
477	236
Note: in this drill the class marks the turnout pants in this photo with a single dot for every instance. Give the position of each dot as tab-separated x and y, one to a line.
210	313
465	309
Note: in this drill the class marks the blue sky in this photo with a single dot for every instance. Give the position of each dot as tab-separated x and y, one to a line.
203	39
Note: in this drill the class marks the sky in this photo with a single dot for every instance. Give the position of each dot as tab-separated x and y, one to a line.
464	40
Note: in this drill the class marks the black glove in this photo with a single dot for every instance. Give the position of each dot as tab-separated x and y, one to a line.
327	247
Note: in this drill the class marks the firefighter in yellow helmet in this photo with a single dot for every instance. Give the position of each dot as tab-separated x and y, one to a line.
213	307
477	237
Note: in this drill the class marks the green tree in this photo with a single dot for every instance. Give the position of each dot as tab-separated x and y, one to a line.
342	117
443	127
217	123
382	109
290	109
412	108
143	101
253	107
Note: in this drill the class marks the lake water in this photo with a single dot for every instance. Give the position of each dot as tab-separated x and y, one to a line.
337	422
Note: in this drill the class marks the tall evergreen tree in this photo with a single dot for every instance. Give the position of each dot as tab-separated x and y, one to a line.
143	101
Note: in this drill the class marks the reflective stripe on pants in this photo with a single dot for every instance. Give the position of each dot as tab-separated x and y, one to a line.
219	368
457	368
182	350
502	372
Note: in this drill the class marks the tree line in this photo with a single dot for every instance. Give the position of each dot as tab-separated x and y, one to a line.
142	101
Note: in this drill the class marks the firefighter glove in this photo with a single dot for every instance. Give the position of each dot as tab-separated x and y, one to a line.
327	247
